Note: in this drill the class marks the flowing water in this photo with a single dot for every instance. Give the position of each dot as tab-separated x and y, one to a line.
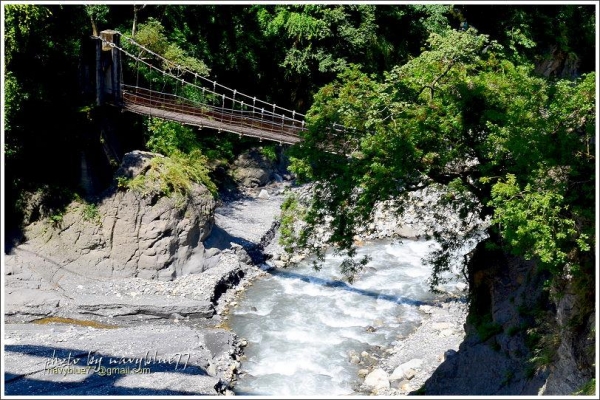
302	325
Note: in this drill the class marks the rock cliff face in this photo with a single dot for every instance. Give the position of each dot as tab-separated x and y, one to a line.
575	356
251	169
128	234
518	339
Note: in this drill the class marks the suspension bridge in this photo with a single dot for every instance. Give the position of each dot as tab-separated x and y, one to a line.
190	98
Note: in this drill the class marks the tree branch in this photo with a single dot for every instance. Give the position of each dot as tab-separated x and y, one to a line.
435	81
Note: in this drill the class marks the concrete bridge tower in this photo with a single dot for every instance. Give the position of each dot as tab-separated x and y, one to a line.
108	69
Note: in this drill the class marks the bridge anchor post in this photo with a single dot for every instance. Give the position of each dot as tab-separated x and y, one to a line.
108	68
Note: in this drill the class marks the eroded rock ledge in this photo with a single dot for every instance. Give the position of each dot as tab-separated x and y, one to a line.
138	264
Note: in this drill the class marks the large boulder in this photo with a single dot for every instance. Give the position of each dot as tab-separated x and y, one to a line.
377	379
252	169
129	234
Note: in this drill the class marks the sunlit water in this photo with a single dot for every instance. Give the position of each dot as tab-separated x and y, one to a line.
301	324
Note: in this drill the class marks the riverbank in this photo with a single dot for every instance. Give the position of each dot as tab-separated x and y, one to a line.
411	360
403	365
68	333
185	317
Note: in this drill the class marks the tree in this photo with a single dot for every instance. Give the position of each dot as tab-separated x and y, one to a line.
318	41
97	14
464	116
151	35
136	9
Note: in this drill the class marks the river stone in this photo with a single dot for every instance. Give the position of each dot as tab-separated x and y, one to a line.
441	325
377	379
147	305
446	332
426	309
277	178
264	195
401	372
409	373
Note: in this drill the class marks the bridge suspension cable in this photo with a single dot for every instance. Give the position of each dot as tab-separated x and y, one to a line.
273	119
205	79
269	109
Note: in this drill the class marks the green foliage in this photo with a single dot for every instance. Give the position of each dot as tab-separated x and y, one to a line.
544	348
56	219
173	175
166	137
269	152
588	389
433	17
151	35
513	330
532	221
485	326
291	213
97	14
218	148
323	36
90	212
20	20
122	182
506	143
12	99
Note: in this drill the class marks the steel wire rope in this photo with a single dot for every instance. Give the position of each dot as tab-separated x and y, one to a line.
164	73
215	83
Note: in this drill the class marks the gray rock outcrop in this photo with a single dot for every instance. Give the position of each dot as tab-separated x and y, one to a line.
252	169
129	234
512	324
61	360
574	355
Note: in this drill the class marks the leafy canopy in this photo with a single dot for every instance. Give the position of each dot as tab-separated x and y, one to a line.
508	145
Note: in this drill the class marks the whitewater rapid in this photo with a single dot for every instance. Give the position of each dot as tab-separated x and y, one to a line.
303	325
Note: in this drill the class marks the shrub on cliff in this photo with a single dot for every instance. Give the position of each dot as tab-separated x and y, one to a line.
173	175
183	163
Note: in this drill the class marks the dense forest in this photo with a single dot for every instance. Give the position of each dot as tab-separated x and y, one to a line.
495	102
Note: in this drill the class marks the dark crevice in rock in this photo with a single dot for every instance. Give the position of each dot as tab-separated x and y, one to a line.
227	283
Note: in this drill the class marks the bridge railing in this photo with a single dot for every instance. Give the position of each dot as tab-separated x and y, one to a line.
247	113
232	96
228	118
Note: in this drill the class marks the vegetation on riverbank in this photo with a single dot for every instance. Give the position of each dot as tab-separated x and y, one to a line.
495	102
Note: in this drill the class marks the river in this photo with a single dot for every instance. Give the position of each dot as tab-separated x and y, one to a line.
302	325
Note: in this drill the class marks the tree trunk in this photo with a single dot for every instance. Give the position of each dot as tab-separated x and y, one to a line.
94	26
136	9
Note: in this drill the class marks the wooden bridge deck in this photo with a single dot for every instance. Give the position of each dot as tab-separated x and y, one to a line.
274	128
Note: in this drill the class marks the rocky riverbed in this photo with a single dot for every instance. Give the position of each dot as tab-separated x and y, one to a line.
70	331
133	335
411	360
406	363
